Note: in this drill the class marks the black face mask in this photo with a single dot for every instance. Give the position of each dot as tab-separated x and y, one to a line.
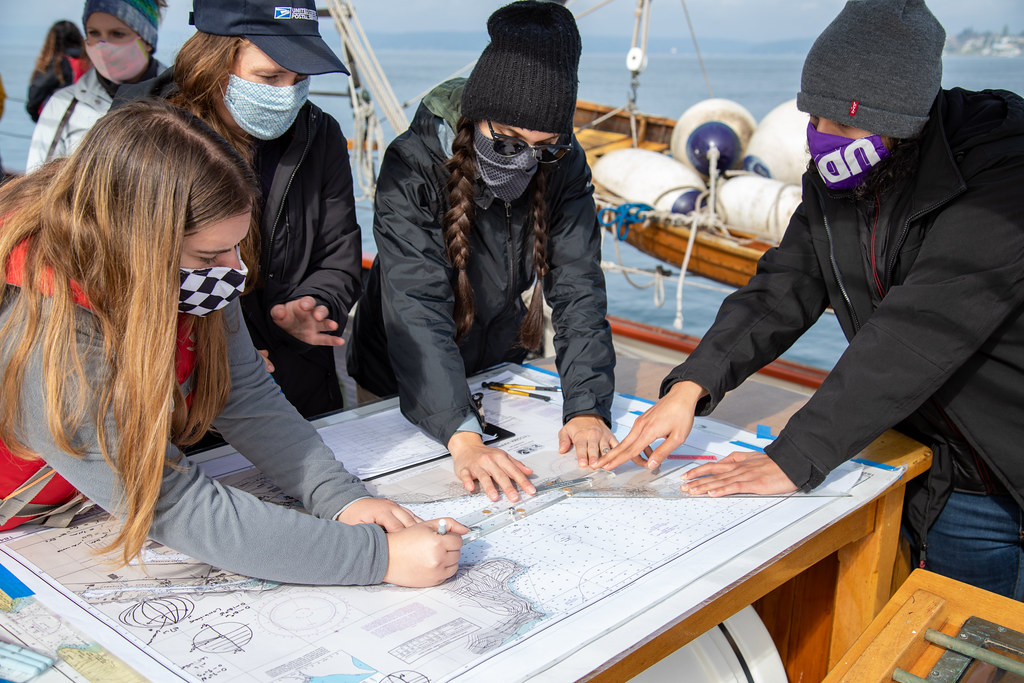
507	177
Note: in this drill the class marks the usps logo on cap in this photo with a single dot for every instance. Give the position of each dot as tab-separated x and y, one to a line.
295	13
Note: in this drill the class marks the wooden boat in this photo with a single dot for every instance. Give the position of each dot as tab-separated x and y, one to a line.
729	257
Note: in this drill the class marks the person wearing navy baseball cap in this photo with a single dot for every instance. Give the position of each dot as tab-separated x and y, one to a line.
245	73
289	35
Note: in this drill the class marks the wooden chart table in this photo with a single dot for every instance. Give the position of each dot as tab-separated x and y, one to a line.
818	581
820	596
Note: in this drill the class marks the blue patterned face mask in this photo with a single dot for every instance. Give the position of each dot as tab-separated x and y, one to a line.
264	111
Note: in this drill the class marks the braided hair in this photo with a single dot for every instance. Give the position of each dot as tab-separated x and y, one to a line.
457	222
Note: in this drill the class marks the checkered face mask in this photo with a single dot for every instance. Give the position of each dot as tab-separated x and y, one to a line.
205	290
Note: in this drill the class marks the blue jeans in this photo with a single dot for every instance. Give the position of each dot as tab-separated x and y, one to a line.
979	540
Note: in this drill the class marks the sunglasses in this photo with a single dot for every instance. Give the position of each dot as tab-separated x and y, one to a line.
508	146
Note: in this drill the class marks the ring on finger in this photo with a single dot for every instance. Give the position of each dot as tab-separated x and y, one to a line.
605	449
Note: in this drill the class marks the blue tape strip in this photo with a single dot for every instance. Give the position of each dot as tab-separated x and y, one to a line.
751	446
872	463
10	585
764	432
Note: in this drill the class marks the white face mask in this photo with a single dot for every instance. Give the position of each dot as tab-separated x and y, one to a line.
205	290
264	111
119	63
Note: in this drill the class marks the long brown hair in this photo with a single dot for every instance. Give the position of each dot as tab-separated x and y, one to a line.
61	37
110	220
458	221
201	72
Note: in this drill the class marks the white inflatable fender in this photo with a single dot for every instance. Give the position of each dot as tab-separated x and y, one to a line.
644	176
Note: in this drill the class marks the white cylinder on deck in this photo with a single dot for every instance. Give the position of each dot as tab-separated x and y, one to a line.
712	658
643	176
778	147
758	205
726	111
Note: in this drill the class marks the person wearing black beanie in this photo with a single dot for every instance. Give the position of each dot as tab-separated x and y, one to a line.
486	197
910	228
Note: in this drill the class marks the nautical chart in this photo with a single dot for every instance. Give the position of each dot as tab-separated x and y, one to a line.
181	618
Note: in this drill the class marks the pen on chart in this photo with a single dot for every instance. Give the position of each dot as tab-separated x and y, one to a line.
524	387
499	387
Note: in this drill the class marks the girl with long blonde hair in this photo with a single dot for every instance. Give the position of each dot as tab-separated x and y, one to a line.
121	341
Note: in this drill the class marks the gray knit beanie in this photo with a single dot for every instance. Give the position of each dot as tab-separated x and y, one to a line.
877	67
526	76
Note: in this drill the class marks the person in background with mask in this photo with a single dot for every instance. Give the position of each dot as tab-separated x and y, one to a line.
245	73
124	256
120	37
485	197
61	62
911	228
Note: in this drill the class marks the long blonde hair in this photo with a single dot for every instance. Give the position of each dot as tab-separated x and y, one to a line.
110	220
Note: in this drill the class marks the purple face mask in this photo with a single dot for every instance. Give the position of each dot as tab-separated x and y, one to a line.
843	162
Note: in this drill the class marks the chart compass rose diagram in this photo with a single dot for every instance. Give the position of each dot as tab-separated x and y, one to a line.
525	566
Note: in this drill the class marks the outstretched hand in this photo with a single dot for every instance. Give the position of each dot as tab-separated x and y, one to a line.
492	467
307	321
671	419
740	472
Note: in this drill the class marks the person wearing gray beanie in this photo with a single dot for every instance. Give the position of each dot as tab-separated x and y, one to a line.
485	198
120	38
877	67
910	229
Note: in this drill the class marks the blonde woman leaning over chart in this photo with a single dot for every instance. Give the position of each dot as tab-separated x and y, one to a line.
121	341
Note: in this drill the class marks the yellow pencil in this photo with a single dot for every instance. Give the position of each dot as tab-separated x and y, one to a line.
501	387
525	387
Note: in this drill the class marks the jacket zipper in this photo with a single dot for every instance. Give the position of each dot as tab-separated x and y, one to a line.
906	229
835	266
287	188
511	255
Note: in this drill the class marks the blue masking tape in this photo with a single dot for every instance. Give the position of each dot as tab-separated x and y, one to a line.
764	432
751	446
10	585
872	463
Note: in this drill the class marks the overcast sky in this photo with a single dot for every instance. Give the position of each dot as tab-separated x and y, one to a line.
748	20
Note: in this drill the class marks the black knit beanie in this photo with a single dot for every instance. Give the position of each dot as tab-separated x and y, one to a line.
877	67
526	76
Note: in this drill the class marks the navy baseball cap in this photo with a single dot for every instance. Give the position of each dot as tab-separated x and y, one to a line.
289	34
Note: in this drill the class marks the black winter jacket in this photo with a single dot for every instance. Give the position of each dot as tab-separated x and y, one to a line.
939	351
403	326
310	246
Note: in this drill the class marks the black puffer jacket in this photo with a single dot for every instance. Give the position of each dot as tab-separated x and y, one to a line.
404	327
310	245
940	350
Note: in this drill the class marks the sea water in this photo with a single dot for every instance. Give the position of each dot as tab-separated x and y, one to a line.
670	84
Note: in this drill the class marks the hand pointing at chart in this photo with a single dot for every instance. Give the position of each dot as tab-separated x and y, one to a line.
671	419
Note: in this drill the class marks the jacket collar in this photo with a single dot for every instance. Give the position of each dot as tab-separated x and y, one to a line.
15	275
938	179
